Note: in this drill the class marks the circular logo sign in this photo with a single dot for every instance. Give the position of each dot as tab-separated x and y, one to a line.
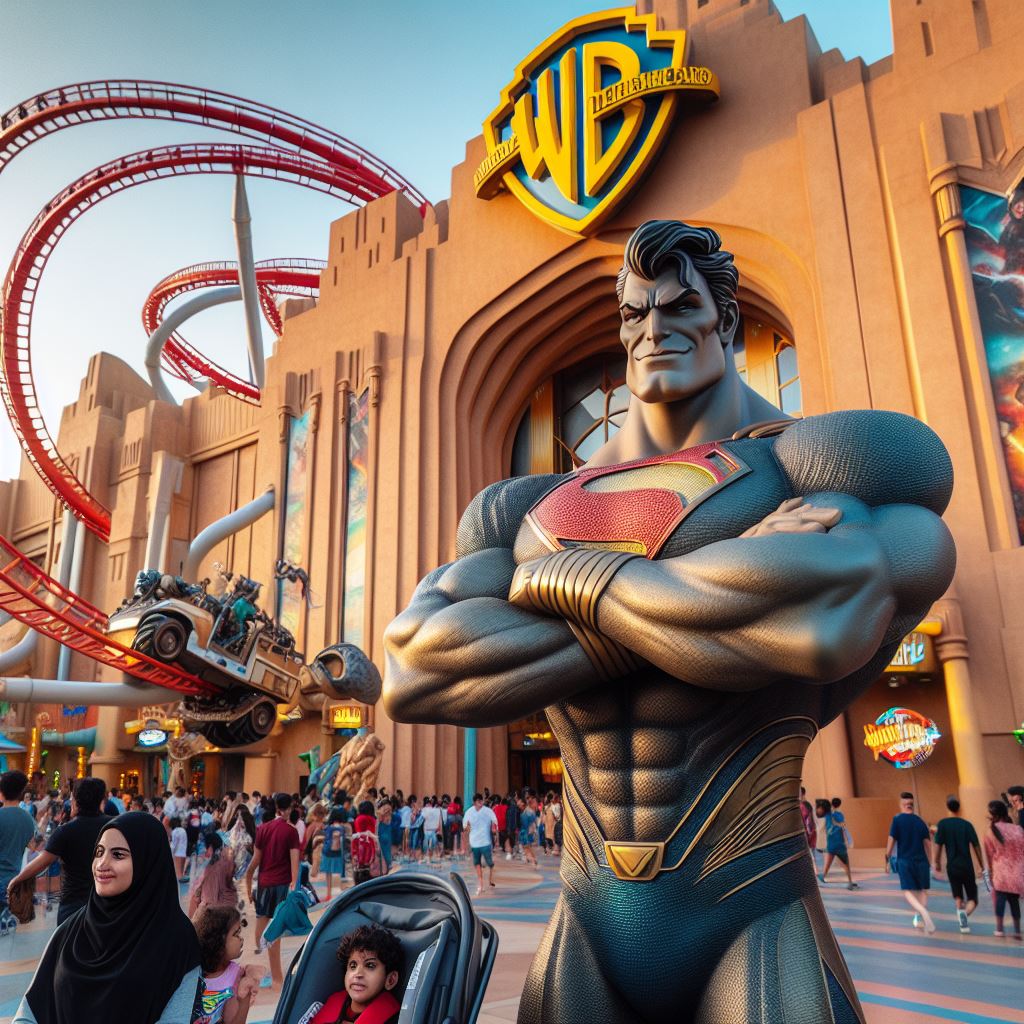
152	737
902	737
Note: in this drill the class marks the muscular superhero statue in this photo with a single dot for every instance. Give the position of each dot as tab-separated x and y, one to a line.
689	608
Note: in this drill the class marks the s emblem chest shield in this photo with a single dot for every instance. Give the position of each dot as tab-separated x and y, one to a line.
634	507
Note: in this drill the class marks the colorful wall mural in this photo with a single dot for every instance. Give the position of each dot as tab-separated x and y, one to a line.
289	594
358	448
995	247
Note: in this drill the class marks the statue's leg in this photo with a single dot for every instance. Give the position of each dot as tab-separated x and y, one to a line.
565	983
786	966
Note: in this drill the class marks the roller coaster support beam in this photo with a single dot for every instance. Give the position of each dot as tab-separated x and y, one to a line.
223	528
59	691
247	281
14	658
159	337
70	576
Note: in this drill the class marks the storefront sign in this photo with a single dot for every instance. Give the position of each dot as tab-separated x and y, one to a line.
585	114
902	737
915	655
152	738
346	716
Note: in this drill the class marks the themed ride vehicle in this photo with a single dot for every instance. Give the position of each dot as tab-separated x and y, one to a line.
229	642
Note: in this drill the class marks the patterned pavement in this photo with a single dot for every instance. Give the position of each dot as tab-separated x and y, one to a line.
903	976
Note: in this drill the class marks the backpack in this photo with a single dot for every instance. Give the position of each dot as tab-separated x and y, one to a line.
335	838
365	856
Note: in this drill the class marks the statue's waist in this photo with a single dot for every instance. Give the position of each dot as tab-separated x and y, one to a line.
748	804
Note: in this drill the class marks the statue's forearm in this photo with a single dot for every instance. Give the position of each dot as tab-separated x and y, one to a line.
477	660
738	614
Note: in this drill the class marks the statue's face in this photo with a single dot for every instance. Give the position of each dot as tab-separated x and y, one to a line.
674	335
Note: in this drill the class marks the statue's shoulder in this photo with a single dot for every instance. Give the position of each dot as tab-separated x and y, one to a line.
492	519
880	457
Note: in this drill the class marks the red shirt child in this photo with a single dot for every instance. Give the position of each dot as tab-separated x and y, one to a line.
373	958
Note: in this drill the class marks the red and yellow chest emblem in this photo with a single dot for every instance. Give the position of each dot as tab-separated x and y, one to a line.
636	506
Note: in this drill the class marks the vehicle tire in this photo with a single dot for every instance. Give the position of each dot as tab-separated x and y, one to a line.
256	724
161	637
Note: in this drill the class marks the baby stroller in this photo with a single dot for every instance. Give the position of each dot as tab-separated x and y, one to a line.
449	951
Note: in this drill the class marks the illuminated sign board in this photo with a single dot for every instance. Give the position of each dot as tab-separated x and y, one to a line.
585	114
346	716
902	737
152	737
915	654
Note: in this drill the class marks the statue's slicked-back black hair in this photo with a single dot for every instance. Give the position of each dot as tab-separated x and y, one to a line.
657	242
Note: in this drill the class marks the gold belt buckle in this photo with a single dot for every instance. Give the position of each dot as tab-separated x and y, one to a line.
634	862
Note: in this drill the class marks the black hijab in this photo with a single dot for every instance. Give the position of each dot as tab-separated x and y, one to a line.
120	958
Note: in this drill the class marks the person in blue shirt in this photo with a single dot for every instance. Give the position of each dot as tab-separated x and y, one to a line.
910	836
835	841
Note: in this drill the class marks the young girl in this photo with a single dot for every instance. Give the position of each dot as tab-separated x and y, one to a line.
528	832
228	988
179	847
1004	851
332	859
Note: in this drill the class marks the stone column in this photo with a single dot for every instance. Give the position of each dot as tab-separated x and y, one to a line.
951	647
107	753
259	773
835	752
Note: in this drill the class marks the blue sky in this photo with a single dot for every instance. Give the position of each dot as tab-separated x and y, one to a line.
410	80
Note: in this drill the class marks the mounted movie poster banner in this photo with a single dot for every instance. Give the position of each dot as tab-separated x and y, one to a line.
995	248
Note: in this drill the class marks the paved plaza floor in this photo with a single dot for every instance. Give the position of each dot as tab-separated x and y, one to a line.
903	976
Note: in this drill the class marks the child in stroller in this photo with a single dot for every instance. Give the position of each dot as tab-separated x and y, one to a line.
447	951
373	958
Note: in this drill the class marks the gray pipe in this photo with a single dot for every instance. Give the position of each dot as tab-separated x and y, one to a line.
72	580
223	528
57	691
247	281
158	338
11	660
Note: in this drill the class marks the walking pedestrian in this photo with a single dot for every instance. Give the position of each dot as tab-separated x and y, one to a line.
276	859
528	831
384	831
909	834
16	830
810	825
957	837
1004	848
511	824
332	859
433	835
483	828
130	954
73	844
216	885
835	843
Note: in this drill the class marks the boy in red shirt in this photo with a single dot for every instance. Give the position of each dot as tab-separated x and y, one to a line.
373	958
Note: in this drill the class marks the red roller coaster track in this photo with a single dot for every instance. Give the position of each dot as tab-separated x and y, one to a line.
295	151
274	278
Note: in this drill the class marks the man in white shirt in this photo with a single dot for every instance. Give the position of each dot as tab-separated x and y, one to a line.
483	827
432	828
175	806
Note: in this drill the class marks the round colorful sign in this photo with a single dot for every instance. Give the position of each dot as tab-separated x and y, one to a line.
902	737
152	737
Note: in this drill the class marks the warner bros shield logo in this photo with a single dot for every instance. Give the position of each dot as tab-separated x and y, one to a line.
585	114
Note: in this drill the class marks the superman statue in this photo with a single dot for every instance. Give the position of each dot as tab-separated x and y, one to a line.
689	608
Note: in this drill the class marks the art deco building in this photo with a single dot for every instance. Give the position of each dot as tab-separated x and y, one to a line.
866	207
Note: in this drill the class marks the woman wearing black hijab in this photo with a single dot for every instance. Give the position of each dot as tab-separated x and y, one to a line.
130	954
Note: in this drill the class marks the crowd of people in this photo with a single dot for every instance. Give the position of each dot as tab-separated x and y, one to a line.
129	862
915	850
